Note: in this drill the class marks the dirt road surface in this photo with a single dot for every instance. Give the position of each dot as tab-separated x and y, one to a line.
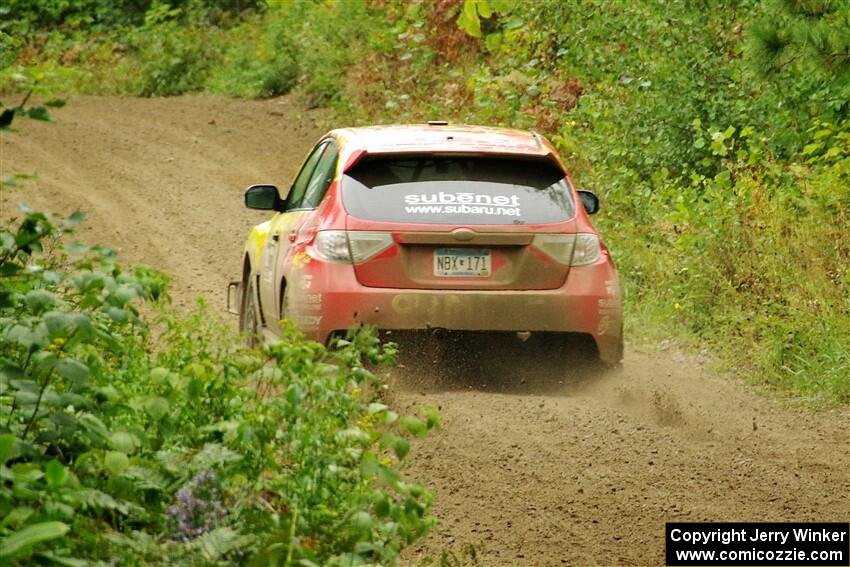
530	468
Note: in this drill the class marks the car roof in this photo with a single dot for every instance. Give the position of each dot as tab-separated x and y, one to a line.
441	137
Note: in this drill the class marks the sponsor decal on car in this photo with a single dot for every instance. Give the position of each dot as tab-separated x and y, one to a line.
313	301
609	311
300	259
463	203
307	321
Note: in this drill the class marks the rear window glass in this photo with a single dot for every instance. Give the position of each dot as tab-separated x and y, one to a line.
457	189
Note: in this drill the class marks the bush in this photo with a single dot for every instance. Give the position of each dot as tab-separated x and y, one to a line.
294	42
174	58
750	261
158	439
258	62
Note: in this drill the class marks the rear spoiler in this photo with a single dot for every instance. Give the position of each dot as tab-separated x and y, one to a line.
546	155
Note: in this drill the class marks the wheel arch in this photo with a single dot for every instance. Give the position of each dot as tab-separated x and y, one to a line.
246	267
246	274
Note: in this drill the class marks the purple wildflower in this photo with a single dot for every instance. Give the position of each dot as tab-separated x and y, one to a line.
197	508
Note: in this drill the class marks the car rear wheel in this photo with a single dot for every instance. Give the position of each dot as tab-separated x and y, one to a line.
248	321
284	302
621	350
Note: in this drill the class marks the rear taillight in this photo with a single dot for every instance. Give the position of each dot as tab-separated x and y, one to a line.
559	247
350	247
365	245
569	249
332	245
586	250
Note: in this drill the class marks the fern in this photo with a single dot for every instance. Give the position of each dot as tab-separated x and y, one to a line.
219	542
92	499
174	462
214	455
144	478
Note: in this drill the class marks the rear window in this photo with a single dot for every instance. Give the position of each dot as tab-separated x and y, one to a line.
457	189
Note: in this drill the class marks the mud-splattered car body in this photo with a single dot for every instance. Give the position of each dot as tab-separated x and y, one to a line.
427	227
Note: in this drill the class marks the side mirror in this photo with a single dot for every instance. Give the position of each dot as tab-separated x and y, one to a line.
589	200
263	197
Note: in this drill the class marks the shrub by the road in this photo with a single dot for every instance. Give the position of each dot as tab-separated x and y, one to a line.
134	435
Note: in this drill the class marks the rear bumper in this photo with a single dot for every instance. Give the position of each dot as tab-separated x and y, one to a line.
324	298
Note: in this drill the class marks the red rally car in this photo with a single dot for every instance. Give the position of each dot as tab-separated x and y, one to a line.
430	227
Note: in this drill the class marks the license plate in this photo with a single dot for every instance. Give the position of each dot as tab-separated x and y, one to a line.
470	262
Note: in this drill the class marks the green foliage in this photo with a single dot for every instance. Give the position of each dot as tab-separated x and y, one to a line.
174	57
21	17
40	112
33	534
322	37
751	261
472	12
809	35
233	47
24	16
162	440
802	52
258	62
